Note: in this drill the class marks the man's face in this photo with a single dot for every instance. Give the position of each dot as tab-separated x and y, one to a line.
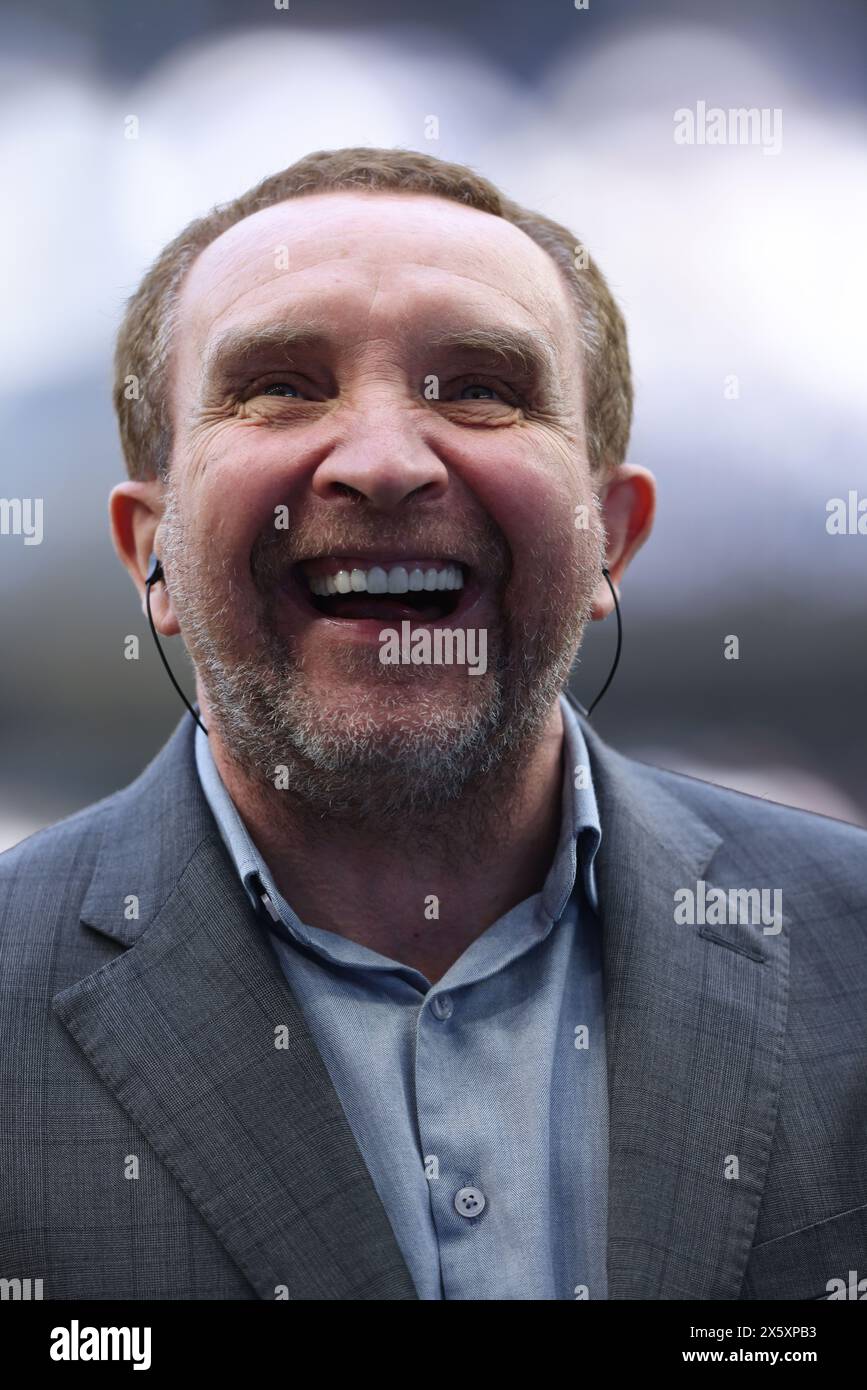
335	370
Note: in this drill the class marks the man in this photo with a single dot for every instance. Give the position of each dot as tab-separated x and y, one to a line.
390	980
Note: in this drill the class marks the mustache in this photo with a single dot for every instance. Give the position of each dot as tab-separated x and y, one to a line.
277	550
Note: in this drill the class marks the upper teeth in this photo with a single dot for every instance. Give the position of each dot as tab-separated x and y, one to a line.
397	579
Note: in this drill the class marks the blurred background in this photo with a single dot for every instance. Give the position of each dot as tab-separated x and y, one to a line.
741	272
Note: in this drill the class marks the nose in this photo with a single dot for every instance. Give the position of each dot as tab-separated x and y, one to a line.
382	458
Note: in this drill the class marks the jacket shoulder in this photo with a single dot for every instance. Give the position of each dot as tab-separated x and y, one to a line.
60	845
819	864
65	853
729	812
45	877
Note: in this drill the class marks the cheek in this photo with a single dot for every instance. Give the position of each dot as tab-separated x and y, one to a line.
531	488
236	475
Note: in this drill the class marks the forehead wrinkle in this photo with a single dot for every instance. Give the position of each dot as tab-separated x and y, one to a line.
533	345
547	343
498	288
356	259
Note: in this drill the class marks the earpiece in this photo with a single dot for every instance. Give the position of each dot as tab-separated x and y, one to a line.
155	571
619	642
153	576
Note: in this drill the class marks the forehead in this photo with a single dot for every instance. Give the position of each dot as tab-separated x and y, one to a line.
391	258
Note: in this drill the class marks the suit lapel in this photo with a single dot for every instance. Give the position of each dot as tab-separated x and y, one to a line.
182	1028
694	1034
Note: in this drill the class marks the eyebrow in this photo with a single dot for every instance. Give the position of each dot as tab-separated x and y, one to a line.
533	355
233	352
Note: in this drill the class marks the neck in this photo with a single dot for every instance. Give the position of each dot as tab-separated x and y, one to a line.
423	895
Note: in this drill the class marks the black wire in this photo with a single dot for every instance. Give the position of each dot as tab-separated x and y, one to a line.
163	659
156	573
619	643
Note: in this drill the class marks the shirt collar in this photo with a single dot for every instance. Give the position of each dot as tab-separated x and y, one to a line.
252	869
580	832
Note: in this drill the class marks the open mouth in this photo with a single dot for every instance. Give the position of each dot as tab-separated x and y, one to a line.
424	591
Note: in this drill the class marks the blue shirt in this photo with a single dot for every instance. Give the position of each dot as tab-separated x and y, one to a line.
480	1103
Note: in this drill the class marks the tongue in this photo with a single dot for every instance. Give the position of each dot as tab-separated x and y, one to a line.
388	608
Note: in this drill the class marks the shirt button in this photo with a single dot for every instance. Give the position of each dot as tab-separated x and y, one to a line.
442	1007
470	1201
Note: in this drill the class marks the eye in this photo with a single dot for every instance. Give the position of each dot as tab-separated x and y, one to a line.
280	388
474	392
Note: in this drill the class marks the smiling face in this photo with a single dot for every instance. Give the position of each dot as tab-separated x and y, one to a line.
378	412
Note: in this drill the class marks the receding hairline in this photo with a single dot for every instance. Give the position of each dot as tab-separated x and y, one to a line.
218	244
512	230
149	329
536	347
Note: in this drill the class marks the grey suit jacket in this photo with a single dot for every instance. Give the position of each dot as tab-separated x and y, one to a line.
156	1143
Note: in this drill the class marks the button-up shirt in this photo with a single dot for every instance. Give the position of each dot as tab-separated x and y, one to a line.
479	1103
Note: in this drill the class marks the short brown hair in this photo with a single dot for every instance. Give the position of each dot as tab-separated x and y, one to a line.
144	341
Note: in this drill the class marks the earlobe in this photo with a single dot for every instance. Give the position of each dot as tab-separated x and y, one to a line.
603	603
628	505
156	600
135	513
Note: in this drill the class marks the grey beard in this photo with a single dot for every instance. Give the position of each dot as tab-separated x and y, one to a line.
352	769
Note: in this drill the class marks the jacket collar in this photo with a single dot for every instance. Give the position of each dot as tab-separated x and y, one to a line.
181	1029
694	1027
196	1033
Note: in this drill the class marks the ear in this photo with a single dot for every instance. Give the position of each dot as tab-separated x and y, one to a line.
628	503
135	510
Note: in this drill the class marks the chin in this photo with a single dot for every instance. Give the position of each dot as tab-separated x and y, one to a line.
414	704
